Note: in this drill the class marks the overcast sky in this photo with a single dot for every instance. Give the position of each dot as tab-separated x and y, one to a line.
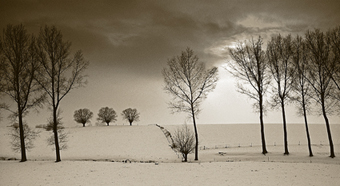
128	44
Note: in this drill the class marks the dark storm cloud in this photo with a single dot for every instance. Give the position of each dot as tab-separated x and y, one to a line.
128	42
132	34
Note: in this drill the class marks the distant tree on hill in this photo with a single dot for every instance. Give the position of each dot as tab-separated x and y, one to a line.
183	141
188	81
250	67
107	115
82	116
130	115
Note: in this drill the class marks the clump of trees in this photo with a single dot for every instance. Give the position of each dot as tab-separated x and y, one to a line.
304	70
37	70
188	81
130	115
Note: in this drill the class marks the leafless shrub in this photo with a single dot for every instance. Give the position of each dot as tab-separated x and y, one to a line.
62	137
29	136
184	141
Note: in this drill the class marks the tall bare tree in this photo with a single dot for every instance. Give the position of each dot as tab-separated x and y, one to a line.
321	70
279	53
18	68
334	41
301	86
187	80
250	67
83	116
2	85
130	115
59	73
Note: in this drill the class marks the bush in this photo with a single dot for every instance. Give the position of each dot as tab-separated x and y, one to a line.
184	141
62	137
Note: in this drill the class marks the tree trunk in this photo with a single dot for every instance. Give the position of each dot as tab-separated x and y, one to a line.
332	155
185	157
22	136
83	124
196	133
263	139
55	131
107	124
284	128
306	126
130	123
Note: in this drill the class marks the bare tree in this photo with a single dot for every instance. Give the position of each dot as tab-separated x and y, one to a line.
183	141
130	115
18	68
59	73
279	53
321	70
107	115
250	67
3	106
82	116
333	37
301	86
188	82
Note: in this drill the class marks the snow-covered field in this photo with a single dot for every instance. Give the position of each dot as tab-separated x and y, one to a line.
229	155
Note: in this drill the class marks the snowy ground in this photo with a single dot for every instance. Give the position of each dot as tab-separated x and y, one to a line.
92	150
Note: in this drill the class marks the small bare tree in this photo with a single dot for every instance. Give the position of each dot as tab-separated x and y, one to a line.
82	116
183	141
107	115
130	115
250	67
62	135
188	82
59	73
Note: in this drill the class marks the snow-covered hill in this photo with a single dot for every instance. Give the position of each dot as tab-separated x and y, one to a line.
217	165
136	143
